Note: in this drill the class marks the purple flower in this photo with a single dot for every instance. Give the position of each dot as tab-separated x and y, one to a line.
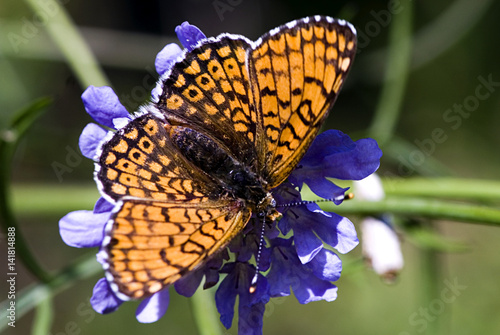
166	58
299	264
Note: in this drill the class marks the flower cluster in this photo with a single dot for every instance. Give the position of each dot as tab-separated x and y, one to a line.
299	262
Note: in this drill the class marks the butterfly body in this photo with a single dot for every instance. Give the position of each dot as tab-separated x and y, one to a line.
234	178
230	121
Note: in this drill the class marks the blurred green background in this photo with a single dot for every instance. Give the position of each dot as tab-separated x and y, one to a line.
455	51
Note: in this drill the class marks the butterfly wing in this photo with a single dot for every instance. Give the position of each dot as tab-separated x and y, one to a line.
141	161
169	214
208	91
296	72
151	244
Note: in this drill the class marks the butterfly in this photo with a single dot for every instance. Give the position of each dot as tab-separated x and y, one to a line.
232	121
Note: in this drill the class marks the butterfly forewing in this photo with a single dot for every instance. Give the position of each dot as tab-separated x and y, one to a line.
209	91
296	72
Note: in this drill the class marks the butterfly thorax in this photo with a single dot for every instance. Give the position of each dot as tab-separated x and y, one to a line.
235	179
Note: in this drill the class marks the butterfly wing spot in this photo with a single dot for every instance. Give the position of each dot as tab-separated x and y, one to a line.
121	147
193	68
132	135
205	55
174	102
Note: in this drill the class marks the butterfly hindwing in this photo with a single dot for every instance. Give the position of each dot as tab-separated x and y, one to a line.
151	244
141	161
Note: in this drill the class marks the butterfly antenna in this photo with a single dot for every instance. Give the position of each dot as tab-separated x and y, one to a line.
347	196
253	285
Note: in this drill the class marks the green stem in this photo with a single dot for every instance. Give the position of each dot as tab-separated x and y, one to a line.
66	36
429	287
396	75
44	314
204	312
404	196
453	188
429	208
9	140
36	294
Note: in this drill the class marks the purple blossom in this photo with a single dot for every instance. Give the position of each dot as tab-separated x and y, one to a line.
298	264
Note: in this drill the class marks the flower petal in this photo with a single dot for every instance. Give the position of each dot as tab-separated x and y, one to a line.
314	289
237	282
102	206
326	189
306	243
225	297
189	35
354	164
103	299
188	285
381	247
326	265
166	58
369	188
282	265
309	282
250	319
153	308
335	230
103	105
92	135
83	229
347	236
333	154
